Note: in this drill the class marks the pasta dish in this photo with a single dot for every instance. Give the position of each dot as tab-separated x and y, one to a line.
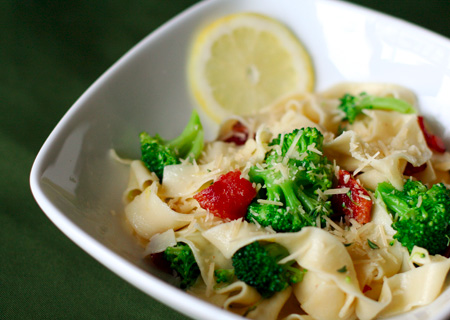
335	197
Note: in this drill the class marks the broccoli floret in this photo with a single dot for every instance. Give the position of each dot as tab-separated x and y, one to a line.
421	216
257	265
299	209
303	150
224	275
182	261
279	219
293	172
352	105
158	153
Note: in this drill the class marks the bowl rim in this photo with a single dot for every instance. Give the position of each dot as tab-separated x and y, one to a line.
146	282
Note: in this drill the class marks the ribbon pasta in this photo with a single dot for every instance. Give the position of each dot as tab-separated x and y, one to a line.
355	281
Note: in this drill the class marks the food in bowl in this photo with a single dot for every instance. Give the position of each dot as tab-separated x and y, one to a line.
340	195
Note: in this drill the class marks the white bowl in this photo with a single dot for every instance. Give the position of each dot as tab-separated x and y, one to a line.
79	187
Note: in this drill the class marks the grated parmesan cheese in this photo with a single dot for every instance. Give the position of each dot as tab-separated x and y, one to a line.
293	145
312	148
361	195
336	191
236	228
334	225
419	201
276	203
367	162
346	178
302	156
284	170
321	195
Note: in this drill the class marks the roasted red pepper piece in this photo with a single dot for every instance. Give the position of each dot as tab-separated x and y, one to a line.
434	142
228	197
356	203
239	134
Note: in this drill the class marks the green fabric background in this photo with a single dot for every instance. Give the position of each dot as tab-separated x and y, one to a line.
50	52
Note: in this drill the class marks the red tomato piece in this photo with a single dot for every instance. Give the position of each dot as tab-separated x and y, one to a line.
239	134
228	197
356	203
434	142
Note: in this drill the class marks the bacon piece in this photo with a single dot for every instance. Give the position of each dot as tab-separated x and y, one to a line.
158	260
238	134
228	197
446	253
434	142
411	170
366	288
356	203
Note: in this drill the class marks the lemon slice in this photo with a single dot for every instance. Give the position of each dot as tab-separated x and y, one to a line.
244	62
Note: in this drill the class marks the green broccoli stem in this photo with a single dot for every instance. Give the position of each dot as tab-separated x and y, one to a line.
291	193
386	103
295	274
273	192
190	142
353	106
267	178
307	201
395	204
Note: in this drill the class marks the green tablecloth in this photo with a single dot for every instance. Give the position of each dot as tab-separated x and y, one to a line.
50	52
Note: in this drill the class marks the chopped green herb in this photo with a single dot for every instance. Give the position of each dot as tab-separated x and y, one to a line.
349	195
342	270
372	245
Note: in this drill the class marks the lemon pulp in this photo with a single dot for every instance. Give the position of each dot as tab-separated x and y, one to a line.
244	62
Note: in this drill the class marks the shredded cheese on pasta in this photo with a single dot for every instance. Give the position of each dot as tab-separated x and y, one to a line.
377	268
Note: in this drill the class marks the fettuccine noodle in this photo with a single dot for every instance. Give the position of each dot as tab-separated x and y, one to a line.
378	283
